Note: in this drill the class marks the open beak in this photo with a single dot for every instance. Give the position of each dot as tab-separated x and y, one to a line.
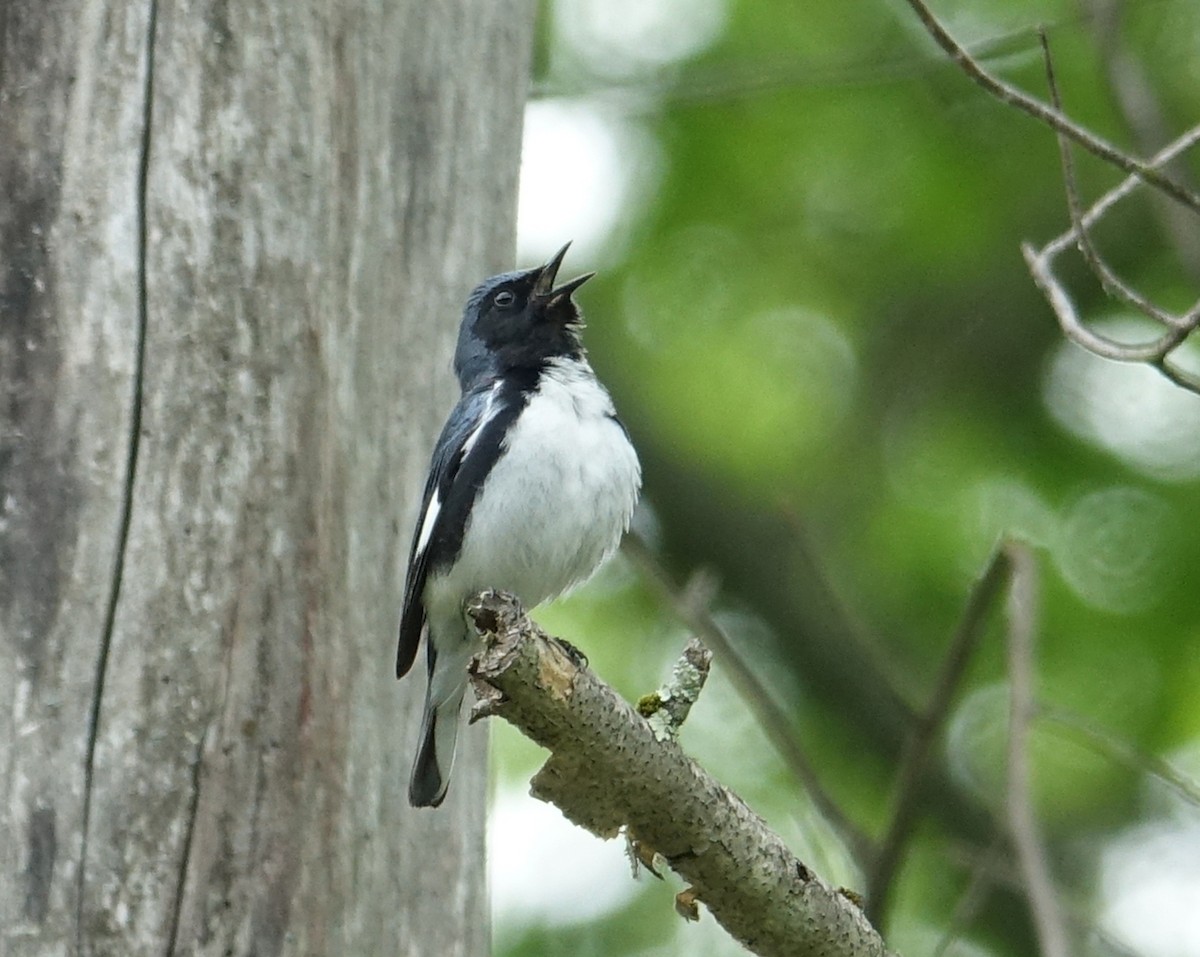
544	287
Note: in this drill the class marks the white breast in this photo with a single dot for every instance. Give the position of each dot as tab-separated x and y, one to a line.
557	500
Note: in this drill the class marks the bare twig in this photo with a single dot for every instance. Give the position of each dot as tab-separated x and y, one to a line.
1026	835
1144	115
1180	327
972	898
1054	118
1073	327
1100	207
1087	734
771	717
1040	263
995	869
1156	352
915	762
734	80
607	772
668	707
1177	374
1112	284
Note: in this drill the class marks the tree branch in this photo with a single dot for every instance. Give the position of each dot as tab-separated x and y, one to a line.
1054	118
775	722
980	883
1145	117
1087	734
1155	353
667	708
1026	834
915	761
608	772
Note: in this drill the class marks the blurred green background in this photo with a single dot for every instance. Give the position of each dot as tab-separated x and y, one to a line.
815	319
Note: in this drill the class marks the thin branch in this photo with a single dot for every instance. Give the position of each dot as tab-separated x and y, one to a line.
1155	353
911	775
608	772
774	721
996	870
1145	117
1007	93
972	898
1073	327
1177	374
733	80
1100	207
1086	734
1026	835
1111	283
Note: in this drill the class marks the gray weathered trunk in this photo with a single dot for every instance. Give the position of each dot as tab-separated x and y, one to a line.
234	242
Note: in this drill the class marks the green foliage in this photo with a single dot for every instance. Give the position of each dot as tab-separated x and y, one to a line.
818	312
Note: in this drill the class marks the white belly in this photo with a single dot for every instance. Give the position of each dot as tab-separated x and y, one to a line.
556	502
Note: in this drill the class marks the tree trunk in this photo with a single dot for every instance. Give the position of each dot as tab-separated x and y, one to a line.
234	244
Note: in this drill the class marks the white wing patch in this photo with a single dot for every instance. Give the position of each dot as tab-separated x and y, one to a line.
489	410
435	500
427	523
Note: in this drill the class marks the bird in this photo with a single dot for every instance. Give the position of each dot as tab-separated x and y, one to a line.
532	482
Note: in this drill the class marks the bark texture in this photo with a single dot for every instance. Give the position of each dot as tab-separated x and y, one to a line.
234	247
609	771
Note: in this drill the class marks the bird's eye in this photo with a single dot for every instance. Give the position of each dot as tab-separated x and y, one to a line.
504	299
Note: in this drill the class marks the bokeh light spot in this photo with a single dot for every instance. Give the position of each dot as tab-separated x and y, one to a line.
1012	509
1128	409
1150	885
627	38
977	738
1113	550
582	171
546	870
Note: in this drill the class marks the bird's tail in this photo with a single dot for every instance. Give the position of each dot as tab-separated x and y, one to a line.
435	756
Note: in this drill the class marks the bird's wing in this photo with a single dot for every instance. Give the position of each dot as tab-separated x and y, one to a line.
465	452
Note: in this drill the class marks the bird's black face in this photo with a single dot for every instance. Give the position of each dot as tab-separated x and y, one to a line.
521	320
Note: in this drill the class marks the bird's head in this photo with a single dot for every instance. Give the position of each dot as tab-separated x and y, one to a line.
519	320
